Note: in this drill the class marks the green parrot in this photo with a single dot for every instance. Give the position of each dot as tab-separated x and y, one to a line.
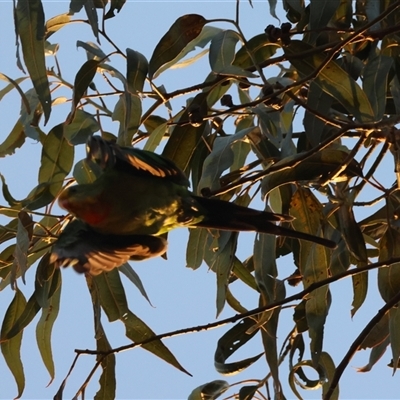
142	193
92	252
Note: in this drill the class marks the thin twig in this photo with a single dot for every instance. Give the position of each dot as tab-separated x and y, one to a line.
357	343
299	296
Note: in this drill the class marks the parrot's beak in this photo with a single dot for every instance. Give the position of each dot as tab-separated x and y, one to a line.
63	201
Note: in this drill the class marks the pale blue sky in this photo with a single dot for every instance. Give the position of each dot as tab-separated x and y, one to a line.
181	297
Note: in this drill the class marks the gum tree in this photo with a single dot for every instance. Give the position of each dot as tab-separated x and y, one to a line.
310	136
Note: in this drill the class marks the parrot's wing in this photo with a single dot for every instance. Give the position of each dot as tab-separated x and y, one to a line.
91	252
110	155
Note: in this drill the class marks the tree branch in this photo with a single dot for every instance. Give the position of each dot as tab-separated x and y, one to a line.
299	296
356	344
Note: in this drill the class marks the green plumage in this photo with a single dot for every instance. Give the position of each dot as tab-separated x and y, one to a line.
143	193
138	196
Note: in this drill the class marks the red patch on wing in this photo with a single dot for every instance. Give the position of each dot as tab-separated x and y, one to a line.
91	212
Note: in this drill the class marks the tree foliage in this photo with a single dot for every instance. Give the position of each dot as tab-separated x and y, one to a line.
336	63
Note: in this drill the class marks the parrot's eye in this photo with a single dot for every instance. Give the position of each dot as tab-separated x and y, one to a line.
73	189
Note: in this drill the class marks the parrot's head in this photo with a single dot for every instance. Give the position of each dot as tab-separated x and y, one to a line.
83	202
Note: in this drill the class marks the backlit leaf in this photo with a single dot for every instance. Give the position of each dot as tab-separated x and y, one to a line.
375	80
209	391
137	67
81	127
11	349
31	30
107	379
260	47
56	161
229	343
113	301
333	80
222	54
83	79
179	35
45	325
29	311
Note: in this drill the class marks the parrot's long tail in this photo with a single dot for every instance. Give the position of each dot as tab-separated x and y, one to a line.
232	217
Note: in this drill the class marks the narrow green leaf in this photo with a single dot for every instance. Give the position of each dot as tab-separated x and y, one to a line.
155	137
272	8
56	23
378	334
93	51
271	289
56	161
375	80
128	112
329	368
115	5
313	169
321	12
261	48
234	303
179	35
355	242
85	172
389	277
111	294
222	54
45	325
242	273
107	381
231	341
11	349
14	140
30	120
7	195
247	392
9	230
185	138
209	391
24	318
394	329
220	159
313	265
332	79
221	262
43	281
137	330
11	86
39	197
24	235
83	79
196	248
189	61
265	272
269	331
130	273
81	127
14	83
92	17
320	101
309	384
75	6
375	355
317	308
137	67
207	33
112	298
30	28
